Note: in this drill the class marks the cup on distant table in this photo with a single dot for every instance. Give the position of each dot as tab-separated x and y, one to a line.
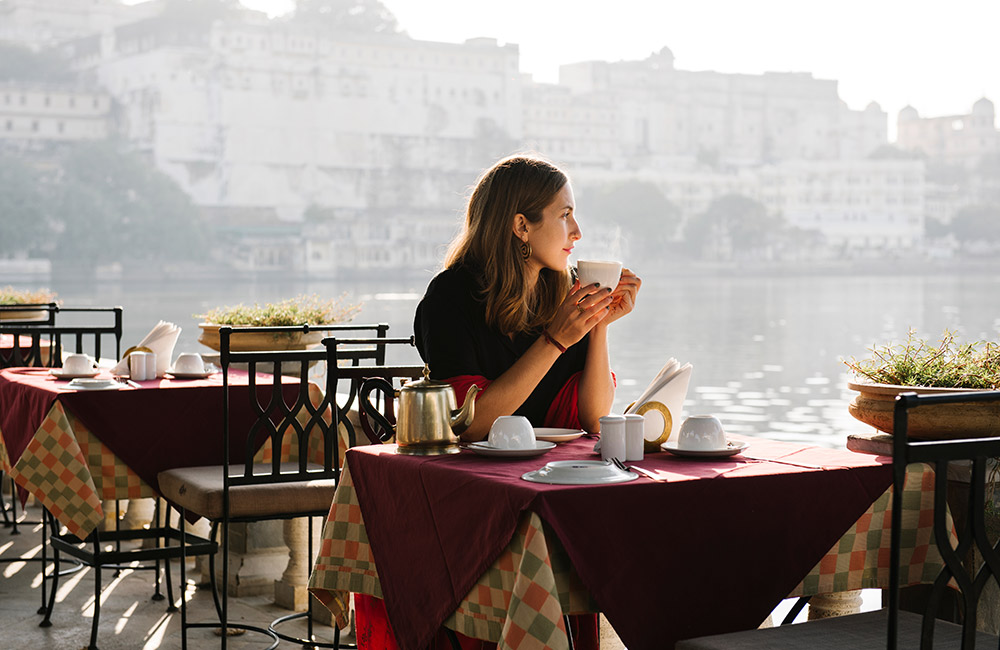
189	363
77	364
701	433
512	432
604	272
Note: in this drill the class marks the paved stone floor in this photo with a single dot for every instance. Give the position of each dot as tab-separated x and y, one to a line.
130	619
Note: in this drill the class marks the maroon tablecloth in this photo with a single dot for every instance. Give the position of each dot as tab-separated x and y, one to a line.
163	425
713	548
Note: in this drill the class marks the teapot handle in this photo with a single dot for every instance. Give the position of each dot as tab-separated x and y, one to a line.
383	430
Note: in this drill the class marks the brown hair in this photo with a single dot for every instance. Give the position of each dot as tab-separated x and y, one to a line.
517	184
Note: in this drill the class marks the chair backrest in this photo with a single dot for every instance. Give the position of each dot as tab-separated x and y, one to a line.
976	453
354	374
41	343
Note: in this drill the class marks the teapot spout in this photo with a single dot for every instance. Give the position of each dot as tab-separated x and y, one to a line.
461	418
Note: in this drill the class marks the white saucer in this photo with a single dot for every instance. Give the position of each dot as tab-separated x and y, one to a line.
485	449
189	375
731	449
557	435
59	373
579	472
94	384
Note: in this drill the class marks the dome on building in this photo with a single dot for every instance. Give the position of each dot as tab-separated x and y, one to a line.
983	107
908	113
873	107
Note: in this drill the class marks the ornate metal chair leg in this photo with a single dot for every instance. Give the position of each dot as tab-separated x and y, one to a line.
54	587
97	596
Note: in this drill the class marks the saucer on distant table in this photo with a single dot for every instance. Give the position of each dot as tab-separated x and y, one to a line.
94	384
486	449
189	375
731	449
59	373
550	434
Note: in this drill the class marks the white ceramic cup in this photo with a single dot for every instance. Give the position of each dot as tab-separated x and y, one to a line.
189	363
604	272
77	364
701	433
512	432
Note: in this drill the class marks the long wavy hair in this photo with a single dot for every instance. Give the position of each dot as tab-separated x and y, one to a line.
487	245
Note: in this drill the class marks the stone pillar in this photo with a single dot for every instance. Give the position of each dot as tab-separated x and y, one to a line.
290	591
139	514
838	604
257	557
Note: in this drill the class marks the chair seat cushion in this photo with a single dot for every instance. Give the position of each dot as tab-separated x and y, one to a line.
199	490
866	630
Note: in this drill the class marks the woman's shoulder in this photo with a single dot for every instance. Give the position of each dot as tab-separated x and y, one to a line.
457	280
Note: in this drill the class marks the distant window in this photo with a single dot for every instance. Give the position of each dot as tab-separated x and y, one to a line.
10	125
34	125
72	102
24	100
97	102
61	127
48	101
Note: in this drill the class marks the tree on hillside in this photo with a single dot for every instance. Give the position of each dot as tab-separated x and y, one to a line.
976	223
24	65
733	225
24	216
117	205
364	16
648	220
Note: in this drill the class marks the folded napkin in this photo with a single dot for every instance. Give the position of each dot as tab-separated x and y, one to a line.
669	389
160	341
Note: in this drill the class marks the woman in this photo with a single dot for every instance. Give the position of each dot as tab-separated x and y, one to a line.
506	314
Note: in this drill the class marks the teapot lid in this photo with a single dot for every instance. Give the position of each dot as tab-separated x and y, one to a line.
426	383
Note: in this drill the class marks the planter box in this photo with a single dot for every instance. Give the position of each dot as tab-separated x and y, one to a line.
255	341
875	404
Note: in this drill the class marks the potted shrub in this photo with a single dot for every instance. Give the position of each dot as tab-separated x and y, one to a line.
919	366
299	310
11	296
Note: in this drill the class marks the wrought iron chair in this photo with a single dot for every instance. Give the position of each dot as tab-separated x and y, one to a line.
892	628
37	341
240	490
355	373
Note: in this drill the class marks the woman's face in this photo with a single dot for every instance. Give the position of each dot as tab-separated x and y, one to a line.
552	238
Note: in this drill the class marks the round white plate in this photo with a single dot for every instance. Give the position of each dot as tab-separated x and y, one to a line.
59	373
557	435
730	449
579	472
484	449
189	375
94	384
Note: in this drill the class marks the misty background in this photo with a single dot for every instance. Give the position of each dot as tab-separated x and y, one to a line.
175	155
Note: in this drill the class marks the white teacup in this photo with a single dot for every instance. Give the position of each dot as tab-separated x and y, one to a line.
77	364
512	432
603	272
189	363
701	433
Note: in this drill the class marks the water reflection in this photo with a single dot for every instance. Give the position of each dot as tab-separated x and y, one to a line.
765	350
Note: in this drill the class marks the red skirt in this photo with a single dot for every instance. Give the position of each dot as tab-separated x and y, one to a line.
375	633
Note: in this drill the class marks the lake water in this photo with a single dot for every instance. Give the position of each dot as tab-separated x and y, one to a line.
766	348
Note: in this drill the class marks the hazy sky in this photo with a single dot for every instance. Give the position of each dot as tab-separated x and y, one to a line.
938	56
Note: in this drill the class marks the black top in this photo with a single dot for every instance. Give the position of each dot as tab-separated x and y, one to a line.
453	339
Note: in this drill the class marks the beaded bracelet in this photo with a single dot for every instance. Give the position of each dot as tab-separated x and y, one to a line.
548	337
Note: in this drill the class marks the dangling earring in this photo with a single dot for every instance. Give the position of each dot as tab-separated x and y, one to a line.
525	249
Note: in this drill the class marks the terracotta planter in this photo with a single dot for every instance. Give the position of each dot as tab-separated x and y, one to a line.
23	314
874	405
248	342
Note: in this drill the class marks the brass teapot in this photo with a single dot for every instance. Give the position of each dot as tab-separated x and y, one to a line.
429	422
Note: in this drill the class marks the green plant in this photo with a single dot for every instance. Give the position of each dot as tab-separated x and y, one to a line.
917	362
11	296
294	311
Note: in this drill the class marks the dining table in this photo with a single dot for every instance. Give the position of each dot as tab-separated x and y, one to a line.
72	449
693	546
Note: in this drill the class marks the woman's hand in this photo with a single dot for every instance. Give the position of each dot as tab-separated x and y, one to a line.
623	297
582	309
